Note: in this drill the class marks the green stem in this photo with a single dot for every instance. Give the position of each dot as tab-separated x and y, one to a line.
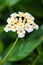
35	60
36	57
6	56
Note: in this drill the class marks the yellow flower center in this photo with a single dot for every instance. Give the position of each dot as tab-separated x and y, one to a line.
33	24
17	22
21	31
21	25
15	27
9	27
11	21
20	14
27	27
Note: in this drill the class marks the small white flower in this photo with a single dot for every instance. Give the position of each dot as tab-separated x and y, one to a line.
35	26
27	14
11	20
21	31
15	28
14	15
8	28
32	18
21	25
21	36
28	28
30	22
20	14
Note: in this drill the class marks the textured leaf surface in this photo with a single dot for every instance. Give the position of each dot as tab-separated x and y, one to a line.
23	49
36	34
11	2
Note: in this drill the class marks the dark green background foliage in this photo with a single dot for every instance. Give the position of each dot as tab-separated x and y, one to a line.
28	50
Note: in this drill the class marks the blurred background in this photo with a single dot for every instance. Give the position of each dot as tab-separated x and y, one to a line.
34	7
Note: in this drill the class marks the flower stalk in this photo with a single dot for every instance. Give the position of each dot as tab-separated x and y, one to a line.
7	55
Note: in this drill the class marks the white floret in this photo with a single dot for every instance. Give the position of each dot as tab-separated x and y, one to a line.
8	28
21	36
28	28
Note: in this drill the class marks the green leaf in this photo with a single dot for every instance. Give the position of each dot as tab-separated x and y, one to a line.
12	34
7	63
40	60
34	7
36	34
1	29
1	47
5	3
11	2
0	57
23	48
42	1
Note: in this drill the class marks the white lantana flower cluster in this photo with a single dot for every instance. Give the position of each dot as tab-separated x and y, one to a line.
21	23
